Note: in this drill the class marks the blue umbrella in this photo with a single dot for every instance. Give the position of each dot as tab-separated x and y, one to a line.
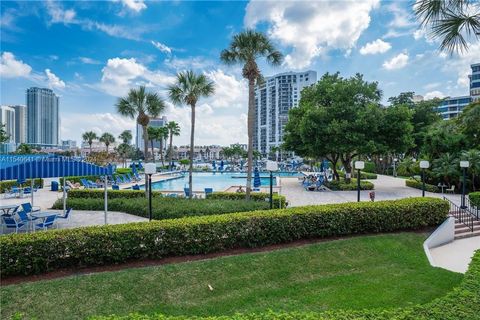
214	165
256	178
221	166
241	164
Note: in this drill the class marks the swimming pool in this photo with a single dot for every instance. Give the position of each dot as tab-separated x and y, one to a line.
216	180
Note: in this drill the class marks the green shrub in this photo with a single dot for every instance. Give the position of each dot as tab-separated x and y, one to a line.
8	184
474	198
165	208
278	200
102	245
341	185
462	302
123	170
370	167
364	175
418	185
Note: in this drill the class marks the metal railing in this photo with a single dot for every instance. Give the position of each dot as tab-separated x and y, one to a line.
463	215
475	210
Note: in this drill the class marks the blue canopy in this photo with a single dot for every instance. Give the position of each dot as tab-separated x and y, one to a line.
47	166
256	178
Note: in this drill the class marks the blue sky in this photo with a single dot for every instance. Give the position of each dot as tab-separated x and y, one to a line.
90	53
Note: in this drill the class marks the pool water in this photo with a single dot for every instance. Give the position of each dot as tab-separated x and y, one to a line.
216	180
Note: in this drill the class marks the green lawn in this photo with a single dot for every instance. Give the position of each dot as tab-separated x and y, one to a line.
356	273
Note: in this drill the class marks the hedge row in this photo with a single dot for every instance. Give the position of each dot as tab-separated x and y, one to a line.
462	302
76	179
419	185
103	245
165	208
364	175
8	184
341	185
474	198
278	200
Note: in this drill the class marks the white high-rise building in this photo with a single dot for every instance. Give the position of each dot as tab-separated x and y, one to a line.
7	118
273	99
475	82
20	123
154	122
43	121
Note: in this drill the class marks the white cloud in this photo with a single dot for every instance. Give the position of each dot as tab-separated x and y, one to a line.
374	47
120	74
162	47
418	34
434	94
87	60
58	14
230	92
401	17
54	82
195	63
397	62
10	67
460	64
135	5
311	28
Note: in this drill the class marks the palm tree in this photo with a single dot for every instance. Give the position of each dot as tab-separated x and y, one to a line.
152	133
449	21
88	137
162	137
245	48
126	136
108	139
173	130
446	167
188	88
142	106
473	156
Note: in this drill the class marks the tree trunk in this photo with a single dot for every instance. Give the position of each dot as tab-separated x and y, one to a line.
90	149
171	152
192	144
145	149
348	167
250	126
161	152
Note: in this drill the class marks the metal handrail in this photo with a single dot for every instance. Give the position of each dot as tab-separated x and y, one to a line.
475	210
463	215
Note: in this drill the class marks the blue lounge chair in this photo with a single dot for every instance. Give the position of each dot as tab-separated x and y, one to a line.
208	191
129	176
115	187
11	222
118	180
66	215
187	192
48	222
136	187
84	183
125	179
137	176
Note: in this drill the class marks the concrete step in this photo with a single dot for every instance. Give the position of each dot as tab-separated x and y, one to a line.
464	228
468	234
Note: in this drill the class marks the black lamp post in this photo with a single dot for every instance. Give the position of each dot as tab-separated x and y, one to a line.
359	165
271	166
424	165
464	165
150	168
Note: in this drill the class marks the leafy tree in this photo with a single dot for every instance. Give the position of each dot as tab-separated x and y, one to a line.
404	98
452	22
3	134
469	124
141	105
245	48
443	137
473	156
188	89
88	137
24	148
125	151
162	136
126	136
446	167
107	138
173	130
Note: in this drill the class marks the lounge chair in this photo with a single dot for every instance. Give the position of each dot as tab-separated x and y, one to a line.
129	176
115	187
93	184
451	189
11	222
136	187
118	180
186	192
85	183
139	178
126	179
48	222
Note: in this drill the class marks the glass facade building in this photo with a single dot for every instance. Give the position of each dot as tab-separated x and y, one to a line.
155	122
43	120
273	99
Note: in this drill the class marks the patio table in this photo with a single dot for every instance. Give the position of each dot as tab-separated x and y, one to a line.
7	208
43	214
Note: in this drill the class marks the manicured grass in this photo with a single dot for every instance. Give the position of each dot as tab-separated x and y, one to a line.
363	272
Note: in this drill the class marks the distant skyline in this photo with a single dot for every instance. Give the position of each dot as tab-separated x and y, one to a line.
90	53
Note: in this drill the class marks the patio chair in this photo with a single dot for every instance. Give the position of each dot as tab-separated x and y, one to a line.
27	207
25	218
14	191
11	222
48	222
136	187
186	192
451	189
115	187
66	215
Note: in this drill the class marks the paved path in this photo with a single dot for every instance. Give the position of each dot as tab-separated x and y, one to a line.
456	256
386	188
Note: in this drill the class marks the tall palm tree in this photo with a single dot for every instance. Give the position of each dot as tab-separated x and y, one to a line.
152	133
142	106
173	130
107	138
88	137
126	136
162	137
188	88
450	21
245	48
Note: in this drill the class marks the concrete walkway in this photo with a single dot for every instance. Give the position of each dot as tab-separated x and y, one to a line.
386	188
456	256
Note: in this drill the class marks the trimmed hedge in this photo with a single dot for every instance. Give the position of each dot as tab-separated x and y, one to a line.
341	185
124	171
419	185
462	302
474	198
8	184
363	175
103	245
165	208
278	200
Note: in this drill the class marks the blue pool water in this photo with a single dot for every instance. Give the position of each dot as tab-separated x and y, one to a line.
217	181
